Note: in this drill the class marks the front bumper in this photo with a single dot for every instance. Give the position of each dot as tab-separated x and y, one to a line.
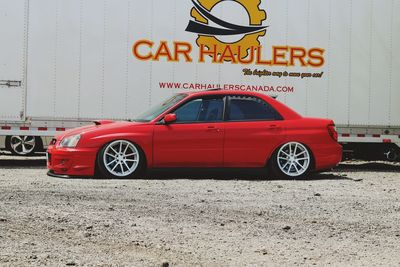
69	162
64	176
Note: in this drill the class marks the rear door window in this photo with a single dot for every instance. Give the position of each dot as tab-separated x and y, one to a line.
246	108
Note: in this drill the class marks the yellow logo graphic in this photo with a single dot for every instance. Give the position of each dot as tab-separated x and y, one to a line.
239	49
220	40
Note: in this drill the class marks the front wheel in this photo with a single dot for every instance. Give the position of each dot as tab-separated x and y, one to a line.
120	159
291	160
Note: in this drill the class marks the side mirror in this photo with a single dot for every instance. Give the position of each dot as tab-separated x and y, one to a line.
169	118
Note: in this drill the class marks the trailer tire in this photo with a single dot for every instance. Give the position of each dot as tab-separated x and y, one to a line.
23	145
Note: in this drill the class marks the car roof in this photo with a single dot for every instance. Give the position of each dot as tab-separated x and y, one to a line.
224	92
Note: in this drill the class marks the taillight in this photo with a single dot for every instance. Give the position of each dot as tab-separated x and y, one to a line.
332	132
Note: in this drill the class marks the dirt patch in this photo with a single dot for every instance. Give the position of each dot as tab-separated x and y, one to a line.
346	217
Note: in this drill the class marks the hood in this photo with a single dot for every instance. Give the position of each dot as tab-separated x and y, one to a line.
99	126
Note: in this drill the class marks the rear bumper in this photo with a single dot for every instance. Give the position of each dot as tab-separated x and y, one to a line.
68	162
327	156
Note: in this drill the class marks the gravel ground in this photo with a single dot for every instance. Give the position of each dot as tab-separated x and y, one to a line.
350	216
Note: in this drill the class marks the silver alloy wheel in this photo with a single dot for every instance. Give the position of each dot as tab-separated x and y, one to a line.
121	158
293	159
22	145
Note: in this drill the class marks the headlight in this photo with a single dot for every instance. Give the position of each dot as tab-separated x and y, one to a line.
70	141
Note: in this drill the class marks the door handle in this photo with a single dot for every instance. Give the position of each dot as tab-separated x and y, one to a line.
273	127
213	129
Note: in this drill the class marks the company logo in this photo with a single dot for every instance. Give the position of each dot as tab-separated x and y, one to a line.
228	31
213	29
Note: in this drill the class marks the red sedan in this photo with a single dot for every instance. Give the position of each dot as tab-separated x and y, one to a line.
203	129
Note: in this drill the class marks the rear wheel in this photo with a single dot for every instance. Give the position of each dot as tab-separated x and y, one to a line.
291	160
23	145
120	159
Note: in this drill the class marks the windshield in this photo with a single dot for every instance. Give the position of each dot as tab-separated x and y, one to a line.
157	110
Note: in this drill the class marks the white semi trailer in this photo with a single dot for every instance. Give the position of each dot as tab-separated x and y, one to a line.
65	63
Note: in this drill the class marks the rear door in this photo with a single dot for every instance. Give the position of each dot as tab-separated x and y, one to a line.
253	129
13	25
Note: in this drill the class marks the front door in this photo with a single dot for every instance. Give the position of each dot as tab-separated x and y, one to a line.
195	139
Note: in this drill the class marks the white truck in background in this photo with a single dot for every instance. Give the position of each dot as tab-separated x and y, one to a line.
66	63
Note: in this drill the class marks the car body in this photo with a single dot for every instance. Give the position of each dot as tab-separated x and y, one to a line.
207	129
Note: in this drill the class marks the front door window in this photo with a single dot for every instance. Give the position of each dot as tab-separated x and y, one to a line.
201	110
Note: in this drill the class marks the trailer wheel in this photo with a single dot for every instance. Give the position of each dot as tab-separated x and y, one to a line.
23	145
291	161
392	154
120	159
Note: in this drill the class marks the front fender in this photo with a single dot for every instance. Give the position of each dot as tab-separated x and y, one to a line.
143	140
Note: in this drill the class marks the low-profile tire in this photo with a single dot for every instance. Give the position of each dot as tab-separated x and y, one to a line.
120	159
23	145
292	160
